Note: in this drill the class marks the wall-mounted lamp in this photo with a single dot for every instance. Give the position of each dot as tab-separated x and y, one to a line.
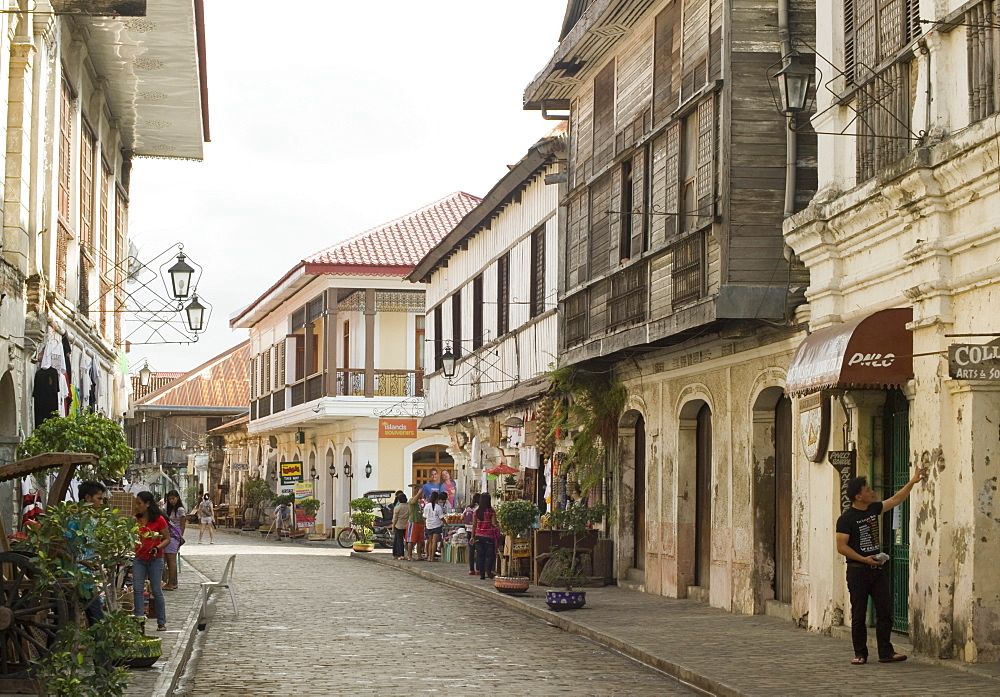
448	362
180	277
348	472
312	473
368	470
195	312
333	471
273	476
794	80
145	375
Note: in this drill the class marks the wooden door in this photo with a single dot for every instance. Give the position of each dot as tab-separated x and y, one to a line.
703	500
783	500
896	523
639	500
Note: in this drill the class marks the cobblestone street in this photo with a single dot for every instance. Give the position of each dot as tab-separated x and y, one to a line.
314	621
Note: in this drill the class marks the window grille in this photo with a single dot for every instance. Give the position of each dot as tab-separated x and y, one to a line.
688	269
576	308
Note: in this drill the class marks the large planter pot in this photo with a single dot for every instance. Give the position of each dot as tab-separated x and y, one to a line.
511	584
565	600
364	546
145	653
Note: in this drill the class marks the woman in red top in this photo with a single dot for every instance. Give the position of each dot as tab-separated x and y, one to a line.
148	565
484	536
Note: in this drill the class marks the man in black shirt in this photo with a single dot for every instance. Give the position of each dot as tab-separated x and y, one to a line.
858	540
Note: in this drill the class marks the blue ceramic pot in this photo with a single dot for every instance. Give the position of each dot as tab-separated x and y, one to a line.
565	600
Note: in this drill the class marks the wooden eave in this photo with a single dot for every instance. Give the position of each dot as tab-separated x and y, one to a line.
505	192
598	30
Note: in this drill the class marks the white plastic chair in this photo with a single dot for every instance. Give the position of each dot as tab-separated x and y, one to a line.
225	582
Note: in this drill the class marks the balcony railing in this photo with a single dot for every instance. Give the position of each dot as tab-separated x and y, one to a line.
348	383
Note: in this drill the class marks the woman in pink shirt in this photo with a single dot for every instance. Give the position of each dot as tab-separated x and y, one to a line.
485	535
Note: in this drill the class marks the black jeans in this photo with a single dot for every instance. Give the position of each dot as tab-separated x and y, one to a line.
864	581
486	553
472	557
398	546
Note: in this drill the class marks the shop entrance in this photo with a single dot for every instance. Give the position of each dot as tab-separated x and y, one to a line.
897	525
433	465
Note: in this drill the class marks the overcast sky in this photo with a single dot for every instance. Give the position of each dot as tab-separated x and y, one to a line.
329	117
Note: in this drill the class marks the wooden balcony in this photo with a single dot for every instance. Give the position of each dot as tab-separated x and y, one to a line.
347	383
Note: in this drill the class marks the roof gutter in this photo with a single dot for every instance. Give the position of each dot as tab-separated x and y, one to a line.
159	408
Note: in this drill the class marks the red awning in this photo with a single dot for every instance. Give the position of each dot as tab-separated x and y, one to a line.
873	352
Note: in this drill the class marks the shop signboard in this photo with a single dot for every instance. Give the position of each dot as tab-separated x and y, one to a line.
291	473
974	362
302	491
397	428
240	467
845	462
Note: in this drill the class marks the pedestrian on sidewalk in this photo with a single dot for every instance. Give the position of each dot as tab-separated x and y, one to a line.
485	534
415	527
148	563
434	515
177	519
80	542
858	540
206	519
400	519
469	519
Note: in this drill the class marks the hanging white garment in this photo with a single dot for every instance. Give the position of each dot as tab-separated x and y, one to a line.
52	352
515	437
529	457
477	452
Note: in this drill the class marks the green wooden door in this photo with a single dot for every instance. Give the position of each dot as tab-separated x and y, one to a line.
898	523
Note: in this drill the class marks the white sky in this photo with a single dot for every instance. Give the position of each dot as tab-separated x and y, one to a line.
329	117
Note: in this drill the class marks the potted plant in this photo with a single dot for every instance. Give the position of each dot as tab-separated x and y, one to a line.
363	520
515	519
310	507
573	521
83	432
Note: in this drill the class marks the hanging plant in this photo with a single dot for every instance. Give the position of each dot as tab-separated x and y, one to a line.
586	407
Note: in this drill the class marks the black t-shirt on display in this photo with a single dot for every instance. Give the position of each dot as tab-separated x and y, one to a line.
862	529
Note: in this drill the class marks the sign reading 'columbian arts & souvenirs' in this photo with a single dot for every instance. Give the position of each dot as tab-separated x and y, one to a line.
974	362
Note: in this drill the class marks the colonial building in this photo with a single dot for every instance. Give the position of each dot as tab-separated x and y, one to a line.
169	427
491	296
902	242
84	95
674	277
338	346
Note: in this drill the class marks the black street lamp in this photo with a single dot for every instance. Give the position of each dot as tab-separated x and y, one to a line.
180	277
312	473
368	470
195	314
347	470
794	80
448	362
333	471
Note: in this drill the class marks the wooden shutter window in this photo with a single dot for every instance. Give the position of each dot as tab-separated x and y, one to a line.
538	271
88	146
281	364
65	148
604	115
456	323
477	312
672	179
666	63
503	295
579	207
706	158
62	257
600	226
695	48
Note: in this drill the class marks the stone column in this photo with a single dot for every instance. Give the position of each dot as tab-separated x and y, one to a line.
330	342
370	343
17	185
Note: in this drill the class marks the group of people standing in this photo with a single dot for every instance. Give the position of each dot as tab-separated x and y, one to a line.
418	528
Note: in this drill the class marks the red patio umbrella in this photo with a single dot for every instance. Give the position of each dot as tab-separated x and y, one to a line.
502	468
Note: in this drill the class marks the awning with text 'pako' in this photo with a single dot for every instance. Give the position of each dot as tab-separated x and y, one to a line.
874	352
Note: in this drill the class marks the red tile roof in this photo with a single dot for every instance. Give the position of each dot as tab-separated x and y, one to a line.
399	244
156	381
223	381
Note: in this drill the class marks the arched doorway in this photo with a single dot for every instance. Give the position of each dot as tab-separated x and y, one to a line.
772	492
694	498
344	485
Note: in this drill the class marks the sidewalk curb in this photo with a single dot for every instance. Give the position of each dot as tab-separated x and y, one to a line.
562	621
172	671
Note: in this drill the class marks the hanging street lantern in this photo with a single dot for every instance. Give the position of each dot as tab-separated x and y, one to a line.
195	314
180	277
145	375
794	80
448	362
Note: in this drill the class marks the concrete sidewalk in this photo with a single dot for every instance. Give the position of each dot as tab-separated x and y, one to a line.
721	652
